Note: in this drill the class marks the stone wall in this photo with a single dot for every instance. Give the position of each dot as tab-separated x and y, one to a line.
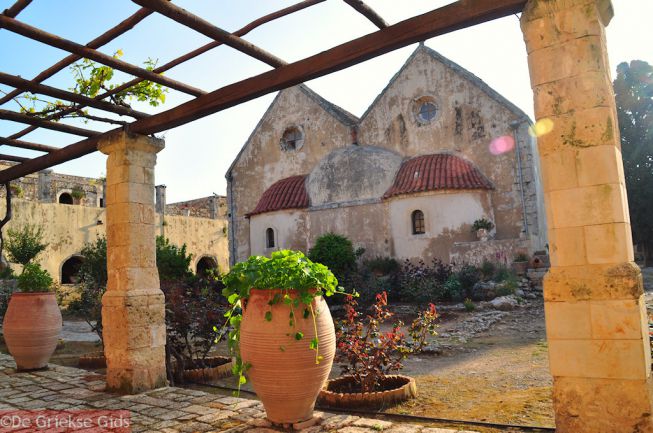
214	206
495	251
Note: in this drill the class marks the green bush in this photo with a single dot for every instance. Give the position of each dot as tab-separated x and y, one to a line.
487	269
469	304
172	261
508	287
468	275
25	243
336	252
93	284
424	283
452	287
33	279
503	274
382	265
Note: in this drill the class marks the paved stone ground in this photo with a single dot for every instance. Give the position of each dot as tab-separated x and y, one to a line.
168	410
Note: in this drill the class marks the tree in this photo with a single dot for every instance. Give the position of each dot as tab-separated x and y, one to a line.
633	89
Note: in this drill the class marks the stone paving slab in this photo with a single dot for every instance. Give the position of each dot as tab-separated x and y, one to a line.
166	410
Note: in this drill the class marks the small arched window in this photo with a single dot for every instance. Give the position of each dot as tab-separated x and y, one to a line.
269	238
65	198
417	219
70	270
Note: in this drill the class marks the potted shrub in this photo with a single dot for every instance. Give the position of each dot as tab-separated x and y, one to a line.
32	323
367	356
284	340
482	228
77	193
520	263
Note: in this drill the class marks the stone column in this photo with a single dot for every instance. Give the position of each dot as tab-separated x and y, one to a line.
595	313
133	311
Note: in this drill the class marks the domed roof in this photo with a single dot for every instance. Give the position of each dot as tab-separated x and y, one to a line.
288	193
437	171
352	173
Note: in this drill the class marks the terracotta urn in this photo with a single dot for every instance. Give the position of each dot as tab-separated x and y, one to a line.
31	328
283	371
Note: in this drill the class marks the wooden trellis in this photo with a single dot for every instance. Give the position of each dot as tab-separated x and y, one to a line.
449	18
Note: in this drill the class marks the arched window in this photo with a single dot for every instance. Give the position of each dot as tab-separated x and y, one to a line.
417	218
204	265
65	198
70	270
269	238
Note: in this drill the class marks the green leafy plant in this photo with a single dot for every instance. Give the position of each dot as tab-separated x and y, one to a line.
382	265
172	261
468	275
482	223
25	243
285	270
78	193
92	78
93	284
487	269
335	252
469	304
17	190
33	279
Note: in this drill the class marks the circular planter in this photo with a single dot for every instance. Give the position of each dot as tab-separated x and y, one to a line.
92	360
283	371
31	327
343	393
212	368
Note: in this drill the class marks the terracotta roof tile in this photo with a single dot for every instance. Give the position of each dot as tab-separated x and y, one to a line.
288	193
437	171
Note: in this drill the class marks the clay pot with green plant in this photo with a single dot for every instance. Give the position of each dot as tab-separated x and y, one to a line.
482	228
32	324
284	341
367	356
520	263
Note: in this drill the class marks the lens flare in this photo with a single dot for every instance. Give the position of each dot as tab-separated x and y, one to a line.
541	127
502	144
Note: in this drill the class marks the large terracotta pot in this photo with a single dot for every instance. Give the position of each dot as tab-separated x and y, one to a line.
283	370
31	328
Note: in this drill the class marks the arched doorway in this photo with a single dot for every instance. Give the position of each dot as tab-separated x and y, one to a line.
70	270
204	265
65	198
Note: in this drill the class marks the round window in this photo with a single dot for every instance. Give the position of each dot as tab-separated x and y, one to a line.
427	112
292	138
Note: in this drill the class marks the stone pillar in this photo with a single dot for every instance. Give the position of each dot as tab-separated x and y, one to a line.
595	313
45	186
160	200
133	311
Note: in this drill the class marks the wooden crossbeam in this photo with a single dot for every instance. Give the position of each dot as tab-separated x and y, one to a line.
89	53
16	8
368	13
42	123
101	40
27	145
455	16
13	158
195	22
18	82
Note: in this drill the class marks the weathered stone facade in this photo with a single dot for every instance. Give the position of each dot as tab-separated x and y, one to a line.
67	227
350	165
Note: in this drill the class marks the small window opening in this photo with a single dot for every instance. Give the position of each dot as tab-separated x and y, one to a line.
269	238
292	139
66	198
418	222
205	265
427	112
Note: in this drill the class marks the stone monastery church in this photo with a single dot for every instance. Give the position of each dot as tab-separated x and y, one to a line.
436	150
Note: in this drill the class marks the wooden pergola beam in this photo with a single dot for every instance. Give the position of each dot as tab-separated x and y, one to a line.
27	145
18	82
12	158
16	8
440	21
101	40
89	53
179	60
197	23
368	13
42	123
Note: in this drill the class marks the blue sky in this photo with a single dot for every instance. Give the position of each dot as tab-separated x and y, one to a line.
198	154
